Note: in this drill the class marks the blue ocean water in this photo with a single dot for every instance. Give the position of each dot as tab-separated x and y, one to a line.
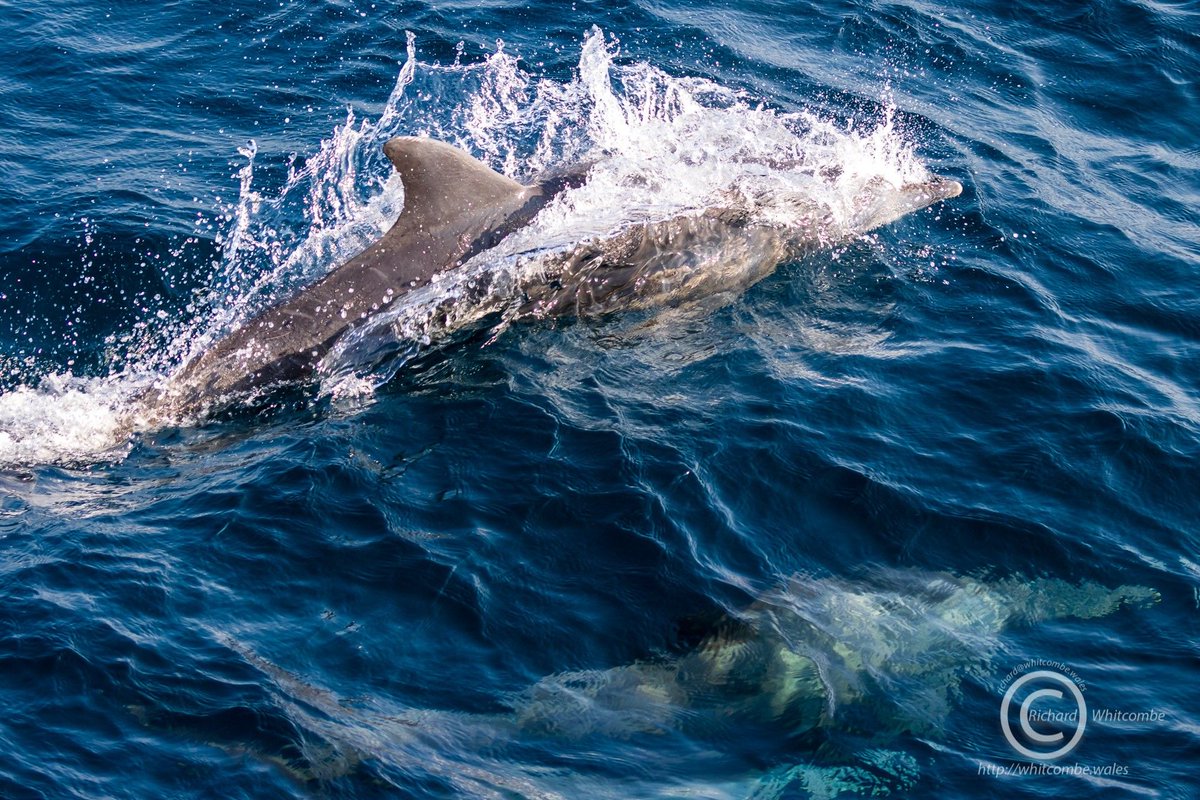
795	541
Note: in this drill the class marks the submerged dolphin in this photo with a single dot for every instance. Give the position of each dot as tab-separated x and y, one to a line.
821	653
816	683
840	670
455	207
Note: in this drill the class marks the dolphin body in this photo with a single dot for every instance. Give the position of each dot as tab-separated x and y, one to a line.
887	657
817	682
456	207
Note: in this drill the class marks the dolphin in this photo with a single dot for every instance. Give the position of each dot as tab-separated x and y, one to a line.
887	655
842	670
456	207
816	682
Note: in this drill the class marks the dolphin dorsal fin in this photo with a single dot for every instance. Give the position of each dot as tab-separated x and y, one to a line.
442	183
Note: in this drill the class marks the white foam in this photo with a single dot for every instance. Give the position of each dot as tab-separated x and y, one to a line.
65	419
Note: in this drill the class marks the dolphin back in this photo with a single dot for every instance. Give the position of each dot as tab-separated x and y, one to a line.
454	207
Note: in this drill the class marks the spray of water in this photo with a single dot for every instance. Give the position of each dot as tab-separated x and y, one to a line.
662	146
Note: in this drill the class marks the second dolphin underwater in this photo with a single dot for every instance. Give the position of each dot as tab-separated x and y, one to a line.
456	207
819	684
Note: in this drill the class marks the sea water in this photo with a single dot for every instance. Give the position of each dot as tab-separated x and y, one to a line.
924	460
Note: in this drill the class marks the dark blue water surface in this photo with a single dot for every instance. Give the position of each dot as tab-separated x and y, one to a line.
614	557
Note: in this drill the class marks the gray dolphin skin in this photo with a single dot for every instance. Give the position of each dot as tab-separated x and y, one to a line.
721	249
456	207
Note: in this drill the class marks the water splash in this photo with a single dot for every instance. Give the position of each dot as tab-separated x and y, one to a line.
67	420
662	145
